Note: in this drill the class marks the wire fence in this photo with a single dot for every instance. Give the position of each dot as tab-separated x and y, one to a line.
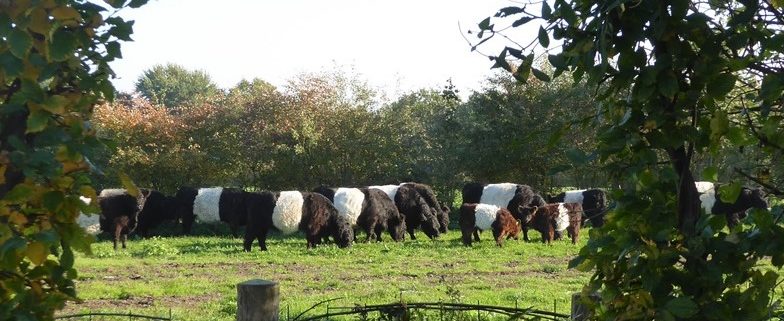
413	311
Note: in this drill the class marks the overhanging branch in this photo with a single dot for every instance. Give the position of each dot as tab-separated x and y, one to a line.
771	189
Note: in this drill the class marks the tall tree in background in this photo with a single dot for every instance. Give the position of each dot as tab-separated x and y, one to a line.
506	129
173	85
665	71
54	67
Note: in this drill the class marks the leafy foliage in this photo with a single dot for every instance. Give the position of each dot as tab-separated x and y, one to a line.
172	85
329	128
53	68
678	80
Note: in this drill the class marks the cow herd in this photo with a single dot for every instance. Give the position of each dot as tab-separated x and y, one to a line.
338	215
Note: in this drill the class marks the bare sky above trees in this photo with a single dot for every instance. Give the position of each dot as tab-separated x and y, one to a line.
397	46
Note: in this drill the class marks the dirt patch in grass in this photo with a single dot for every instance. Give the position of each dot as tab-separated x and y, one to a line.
139	303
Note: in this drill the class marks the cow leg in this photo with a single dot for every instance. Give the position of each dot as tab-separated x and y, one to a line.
525	233
575	234
234	227
247	241
117	232
466	237
411	233
263	239
476	234
550	234
500	239
733	219
371	233
124	239
313	241
379	232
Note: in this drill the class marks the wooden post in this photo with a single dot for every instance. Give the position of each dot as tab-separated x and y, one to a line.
258	300
580	312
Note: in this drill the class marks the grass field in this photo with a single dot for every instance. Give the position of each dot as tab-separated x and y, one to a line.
196	277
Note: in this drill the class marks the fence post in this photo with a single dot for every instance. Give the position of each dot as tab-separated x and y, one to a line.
258	300
580	312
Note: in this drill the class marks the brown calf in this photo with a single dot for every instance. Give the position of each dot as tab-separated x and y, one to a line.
477	217
505	227
558	216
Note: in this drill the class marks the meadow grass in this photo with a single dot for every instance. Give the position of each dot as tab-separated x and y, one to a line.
196	276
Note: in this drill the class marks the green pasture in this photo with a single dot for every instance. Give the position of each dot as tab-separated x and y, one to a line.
195	277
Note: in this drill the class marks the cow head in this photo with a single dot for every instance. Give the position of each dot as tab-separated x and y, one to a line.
397	228
525	213
342	231
430	224
443	218
756	198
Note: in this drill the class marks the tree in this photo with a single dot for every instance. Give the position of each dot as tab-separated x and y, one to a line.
54	67
172	85
507	128
665	73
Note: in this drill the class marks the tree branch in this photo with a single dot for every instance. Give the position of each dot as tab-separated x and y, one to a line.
771	189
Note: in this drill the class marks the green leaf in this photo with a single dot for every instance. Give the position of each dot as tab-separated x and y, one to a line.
555	137
37	121
665	315
10	249
67	258
137	3
567	12
113	49
508	11
557	61
540	75
772	86
117	4
65	13
55	104
573	263
11	66
19	193
64	43
128	184
501	63
48	237
719	125
521	21
547	12
576	156
778	4
485	24
544	39
719	87
31	92
682	307
5	24
37	252
710	173
52	200
20	43
122	29
668	84
738	136
729	193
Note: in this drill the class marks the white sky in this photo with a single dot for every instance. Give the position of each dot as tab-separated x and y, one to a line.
396	45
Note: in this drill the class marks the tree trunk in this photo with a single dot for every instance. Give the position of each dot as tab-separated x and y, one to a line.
688	198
